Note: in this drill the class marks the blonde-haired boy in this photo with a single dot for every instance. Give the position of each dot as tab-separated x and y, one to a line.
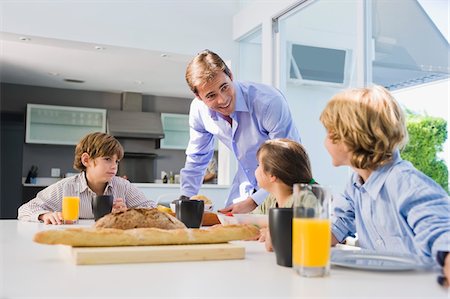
97	156
389	203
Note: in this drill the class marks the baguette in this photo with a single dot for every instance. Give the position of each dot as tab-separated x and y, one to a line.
96	237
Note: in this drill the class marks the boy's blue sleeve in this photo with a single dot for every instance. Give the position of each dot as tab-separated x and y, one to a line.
343	217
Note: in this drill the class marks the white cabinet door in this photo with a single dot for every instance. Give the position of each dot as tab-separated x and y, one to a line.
48	124
176	131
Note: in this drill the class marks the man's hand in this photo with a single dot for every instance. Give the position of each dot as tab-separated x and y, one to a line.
446	270
242	207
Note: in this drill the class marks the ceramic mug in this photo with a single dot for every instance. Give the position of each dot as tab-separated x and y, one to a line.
190	212
280	227
102	205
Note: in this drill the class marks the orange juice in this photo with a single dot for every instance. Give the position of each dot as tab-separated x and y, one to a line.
311	241
70	208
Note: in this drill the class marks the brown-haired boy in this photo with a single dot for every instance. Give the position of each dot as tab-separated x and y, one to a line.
97	156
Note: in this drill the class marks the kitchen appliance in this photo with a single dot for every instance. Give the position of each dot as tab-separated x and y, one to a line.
138	133
132	122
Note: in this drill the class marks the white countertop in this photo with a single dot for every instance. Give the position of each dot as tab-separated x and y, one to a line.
46	181
177	186
28	269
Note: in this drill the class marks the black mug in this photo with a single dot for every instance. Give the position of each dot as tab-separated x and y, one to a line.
190	212
102	205
280	227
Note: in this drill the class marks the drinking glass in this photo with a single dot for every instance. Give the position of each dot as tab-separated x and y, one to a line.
311	230
70	203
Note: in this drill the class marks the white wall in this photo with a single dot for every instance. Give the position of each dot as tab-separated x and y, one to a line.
306	103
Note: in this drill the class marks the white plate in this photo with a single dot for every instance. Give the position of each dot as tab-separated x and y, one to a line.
379	261
257	219
207	207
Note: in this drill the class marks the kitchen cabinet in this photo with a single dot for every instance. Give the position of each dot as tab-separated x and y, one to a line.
48	124
176	131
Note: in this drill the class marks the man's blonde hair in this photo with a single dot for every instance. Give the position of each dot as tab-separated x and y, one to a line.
97	145
204	68
369	121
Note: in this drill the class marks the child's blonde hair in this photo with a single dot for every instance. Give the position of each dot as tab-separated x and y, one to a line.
369	121
97	145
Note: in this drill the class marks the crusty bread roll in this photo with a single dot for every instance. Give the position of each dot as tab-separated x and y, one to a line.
139	218
94	237
202	197
209	218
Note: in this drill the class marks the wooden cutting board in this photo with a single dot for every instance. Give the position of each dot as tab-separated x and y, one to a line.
149	254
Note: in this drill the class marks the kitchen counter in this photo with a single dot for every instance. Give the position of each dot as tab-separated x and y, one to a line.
46	181
177	186
160	193
32	270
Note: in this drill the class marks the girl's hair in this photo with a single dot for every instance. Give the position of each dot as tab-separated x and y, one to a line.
204	68
369	121
97	145
285	159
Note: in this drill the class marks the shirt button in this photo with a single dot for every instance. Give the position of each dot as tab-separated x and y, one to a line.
379	242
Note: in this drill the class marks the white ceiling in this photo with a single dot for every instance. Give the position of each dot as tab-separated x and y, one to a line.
47	62
145	46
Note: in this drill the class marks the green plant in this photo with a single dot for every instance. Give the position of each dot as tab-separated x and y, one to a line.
427	135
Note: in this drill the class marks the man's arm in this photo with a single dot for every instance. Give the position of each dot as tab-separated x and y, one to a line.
198	153
242	207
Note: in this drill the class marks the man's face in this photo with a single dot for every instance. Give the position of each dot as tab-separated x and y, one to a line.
219	94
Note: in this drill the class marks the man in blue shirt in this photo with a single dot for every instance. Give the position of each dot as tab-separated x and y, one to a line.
242	115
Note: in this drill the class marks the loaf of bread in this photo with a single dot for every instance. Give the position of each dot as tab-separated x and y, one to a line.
139	218
209	218
95	237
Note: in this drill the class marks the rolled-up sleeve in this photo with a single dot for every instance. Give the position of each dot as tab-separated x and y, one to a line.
198	153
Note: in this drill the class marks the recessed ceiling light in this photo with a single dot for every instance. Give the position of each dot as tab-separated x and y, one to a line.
53	73
139	82
24	39
99	48
73	80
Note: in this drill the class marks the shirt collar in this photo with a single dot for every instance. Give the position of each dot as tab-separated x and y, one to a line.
84	186
83	181
241	105
378	177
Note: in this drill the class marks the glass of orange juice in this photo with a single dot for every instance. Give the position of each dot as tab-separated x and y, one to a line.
311	230
70	203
